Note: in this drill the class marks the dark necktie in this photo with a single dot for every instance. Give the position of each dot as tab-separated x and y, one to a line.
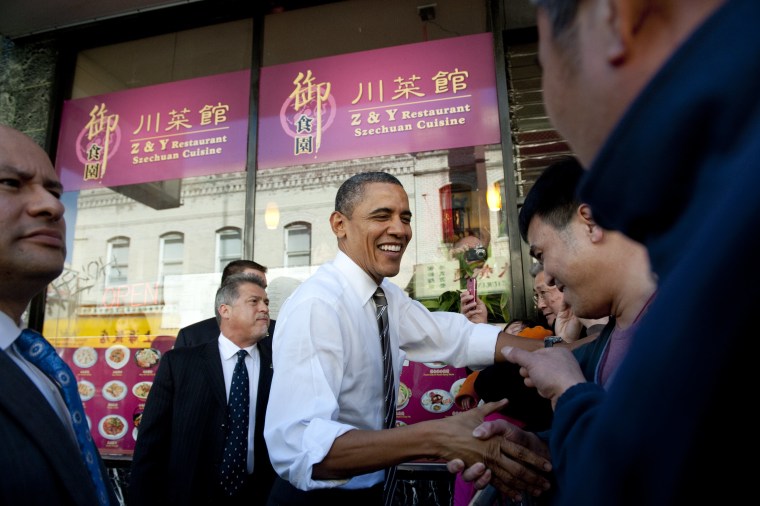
389	421
234	470
34	348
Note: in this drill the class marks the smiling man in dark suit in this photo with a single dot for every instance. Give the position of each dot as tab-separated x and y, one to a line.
208	329
180	446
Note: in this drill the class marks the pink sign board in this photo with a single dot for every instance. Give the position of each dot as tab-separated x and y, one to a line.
402	99
427	391
114	377
180	129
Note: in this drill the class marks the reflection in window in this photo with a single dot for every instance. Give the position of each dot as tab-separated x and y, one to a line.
229	246
297	244
456	212
172	249
117	270
495	199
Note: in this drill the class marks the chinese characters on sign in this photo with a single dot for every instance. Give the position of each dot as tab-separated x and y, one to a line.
418	97
167	131
432	279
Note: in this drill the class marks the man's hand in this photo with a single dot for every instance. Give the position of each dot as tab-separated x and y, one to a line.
550	370
567	325
506	456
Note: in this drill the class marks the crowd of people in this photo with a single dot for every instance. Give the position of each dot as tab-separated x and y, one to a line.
636	238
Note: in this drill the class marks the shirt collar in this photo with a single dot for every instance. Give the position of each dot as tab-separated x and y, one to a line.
228	349
356	278
9	331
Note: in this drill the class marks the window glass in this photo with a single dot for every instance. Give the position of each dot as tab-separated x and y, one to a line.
229	247
172	253
118	264
298	245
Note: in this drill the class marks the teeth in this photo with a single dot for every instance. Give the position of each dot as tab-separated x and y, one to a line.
395	248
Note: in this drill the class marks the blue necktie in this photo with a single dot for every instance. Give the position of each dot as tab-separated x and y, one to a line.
389	420
34	348
234	472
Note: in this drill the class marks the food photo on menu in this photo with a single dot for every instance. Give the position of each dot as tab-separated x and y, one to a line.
114	381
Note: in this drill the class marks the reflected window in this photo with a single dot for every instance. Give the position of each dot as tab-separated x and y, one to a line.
297	244
229	246
495	198
117	270
456	211
172	250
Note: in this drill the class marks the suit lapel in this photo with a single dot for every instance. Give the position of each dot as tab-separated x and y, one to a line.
265	373
21	399
214	372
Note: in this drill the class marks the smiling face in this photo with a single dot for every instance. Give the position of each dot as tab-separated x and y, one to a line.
549	300
562	255
32	229
574	263
378	231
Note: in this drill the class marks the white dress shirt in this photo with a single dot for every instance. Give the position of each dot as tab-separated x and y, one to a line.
228	351
328	364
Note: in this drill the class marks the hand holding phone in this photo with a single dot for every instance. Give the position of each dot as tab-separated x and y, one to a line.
472	287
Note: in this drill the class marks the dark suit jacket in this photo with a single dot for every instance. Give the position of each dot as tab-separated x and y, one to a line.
181	437
40	463
203	332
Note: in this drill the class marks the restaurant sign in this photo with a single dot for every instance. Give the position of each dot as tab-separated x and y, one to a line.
186	128
403	99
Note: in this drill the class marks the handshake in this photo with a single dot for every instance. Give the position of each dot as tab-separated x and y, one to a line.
496	452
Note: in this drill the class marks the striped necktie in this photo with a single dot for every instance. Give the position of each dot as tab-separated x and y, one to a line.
35	348
389	420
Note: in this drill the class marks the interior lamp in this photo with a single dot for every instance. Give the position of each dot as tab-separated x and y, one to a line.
272	216
493	198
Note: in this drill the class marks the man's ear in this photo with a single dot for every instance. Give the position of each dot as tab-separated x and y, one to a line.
620	22
338	224
594	231
224	311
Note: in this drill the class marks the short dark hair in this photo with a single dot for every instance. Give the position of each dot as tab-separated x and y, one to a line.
238	266
561	13
229	291
553	196
352	190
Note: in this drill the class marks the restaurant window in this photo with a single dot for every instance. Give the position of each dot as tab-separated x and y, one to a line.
297	244
229	247
117	270
171	251
152	149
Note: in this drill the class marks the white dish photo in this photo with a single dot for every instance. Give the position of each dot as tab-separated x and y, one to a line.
404	394
147	357
86	390
142	389
85	357
437	401
435	365
114	390
117	356
113	427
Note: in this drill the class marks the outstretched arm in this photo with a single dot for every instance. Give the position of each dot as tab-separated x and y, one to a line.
447	439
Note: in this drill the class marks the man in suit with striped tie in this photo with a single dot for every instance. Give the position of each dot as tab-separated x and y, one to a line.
201	438
47	456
